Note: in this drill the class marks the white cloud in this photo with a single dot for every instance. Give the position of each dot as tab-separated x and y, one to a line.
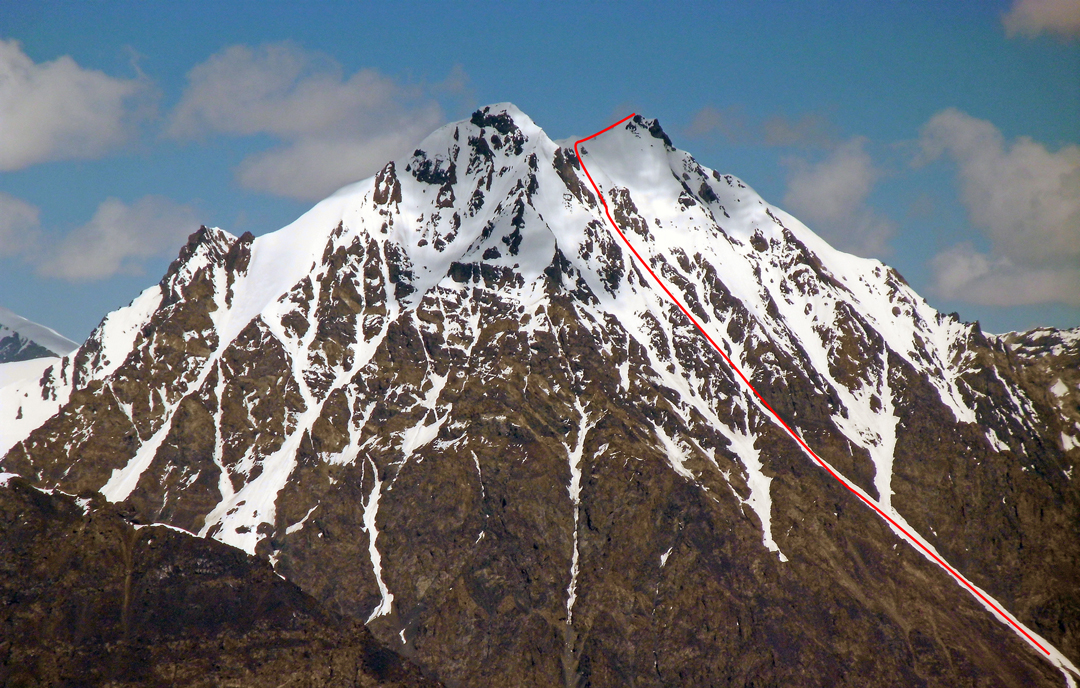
1025	199
809	130
1029	18
58	110
334	130
834	188
312	167
831	195
966	274
711	122
118	238
19	226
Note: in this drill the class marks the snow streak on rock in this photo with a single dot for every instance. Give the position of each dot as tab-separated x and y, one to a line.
574	456
371	512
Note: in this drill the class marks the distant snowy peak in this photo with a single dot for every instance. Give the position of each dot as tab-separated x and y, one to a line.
23	340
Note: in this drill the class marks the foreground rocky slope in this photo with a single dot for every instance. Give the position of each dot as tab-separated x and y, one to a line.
88	599
446	402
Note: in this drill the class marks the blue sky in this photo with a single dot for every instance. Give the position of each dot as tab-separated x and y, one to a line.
941	137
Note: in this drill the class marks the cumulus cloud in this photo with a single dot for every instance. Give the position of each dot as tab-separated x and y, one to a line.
964	273
312	167
809	130
333	129
1025	199
831	195
1029	18
58	110
118	239
457	83
19	226
711	122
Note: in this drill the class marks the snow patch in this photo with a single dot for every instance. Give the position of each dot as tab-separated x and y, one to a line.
1068	443
118	331
676	454
24	403
665	555
122	481
760	499
574	456
371	511
299	525
995	441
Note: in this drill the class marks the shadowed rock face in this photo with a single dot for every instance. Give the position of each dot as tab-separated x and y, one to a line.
14	347
448	404
88	599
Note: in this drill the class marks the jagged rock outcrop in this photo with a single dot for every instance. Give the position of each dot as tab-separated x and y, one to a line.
449	403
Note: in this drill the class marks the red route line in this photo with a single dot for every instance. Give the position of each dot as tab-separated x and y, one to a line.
791	432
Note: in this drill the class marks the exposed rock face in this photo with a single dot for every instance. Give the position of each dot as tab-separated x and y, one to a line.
88	599
447	402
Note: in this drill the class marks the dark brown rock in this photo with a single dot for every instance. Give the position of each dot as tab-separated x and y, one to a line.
87	599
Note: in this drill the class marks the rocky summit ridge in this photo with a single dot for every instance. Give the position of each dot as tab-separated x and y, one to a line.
447	403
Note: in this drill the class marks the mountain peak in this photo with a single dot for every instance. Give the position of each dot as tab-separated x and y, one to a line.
503	117
449	397
653	127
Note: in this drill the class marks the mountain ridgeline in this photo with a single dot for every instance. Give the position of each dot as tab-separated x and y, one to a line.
448	404
23	340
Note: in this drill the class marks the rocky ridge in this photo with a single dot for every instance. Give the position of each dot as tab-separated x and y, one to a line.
447	403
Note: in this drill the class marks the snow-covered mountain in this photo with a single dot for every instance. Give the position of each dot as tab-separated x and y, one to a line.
23	340
446	401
